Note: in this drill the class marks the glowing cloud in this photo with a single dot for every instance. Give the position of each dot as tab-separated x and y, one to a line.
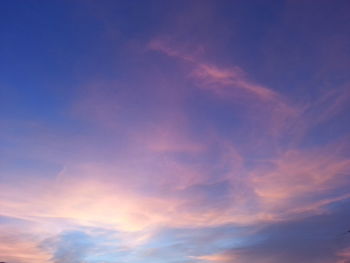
175	132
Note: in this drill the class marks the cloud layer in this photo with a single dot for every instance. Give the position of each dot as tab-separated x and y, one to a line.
168	143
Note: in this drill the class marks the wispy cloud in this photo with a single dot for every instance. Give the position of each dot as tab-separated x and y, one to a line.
181	146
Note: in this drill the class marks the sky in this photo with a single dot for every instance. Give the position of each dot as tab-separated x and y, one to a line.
152	131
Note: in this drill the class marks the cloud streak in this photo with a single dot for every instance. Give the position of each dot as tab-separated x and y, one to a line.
178	146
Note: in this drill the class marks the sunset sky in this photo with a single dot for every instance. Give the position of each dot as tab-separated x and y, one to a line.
185	131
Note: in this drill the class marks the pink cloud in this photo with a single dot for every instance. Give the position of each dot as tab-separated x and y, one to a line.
22	247
344	255
137	157
224	81
232	83
297	175
219	257
211	77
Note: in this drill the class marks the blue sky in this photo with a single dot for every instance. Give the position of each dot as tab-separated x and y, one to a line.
182	132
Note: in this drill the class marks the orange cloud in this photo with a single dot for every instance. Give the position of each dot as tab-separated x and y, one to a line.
219	257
